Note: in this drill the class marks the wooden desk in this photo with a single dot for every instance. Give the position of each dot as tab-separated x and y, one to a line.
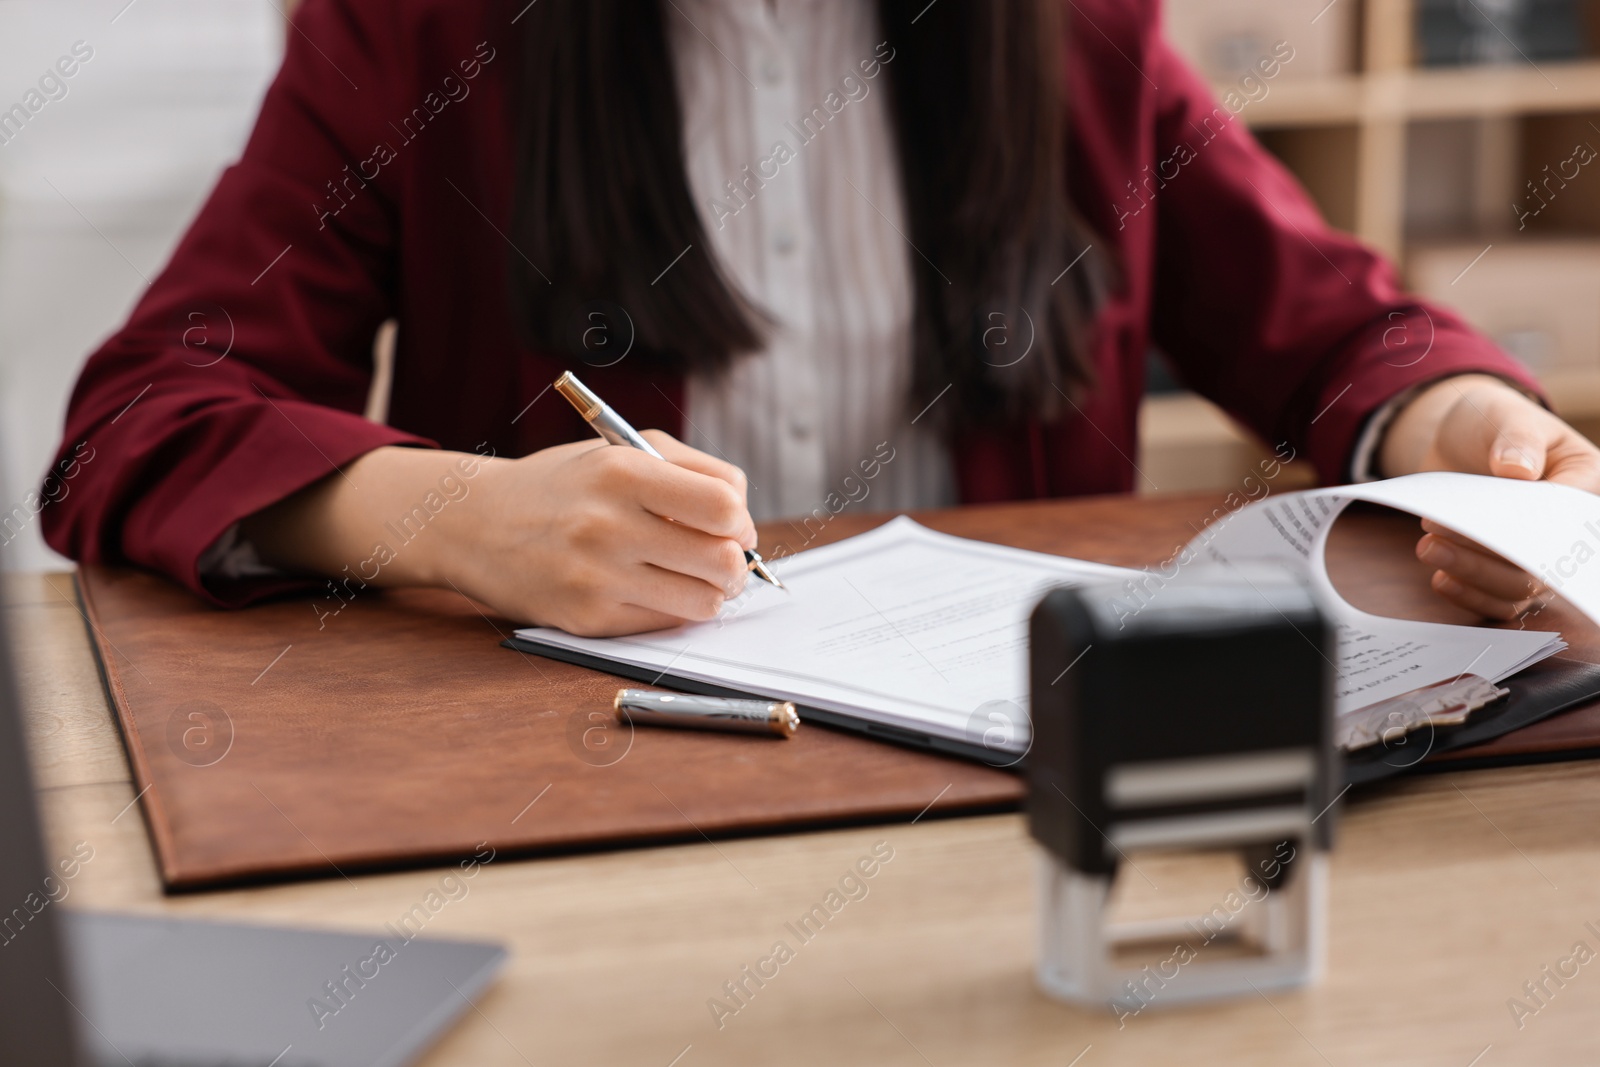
1448	893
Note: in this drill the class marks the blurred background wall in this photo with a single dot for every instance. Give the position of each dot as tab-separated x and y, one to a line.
1454	135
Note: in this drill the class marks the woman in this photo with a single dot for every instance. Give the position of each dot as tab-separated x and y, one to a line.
936	238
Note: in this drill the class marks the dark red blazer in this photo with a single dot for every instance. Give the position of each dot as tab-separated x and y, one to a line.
378	184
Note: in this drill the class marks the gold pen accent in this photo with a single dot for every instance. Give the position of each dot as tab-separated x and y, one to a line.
614	428
579	396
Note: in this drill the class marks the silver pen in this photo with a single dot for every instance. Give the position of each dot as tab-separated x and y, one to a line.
707	713
614	428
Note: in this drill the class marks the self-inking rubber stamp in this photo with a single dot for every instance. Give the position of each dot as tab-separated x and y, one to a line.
1195	718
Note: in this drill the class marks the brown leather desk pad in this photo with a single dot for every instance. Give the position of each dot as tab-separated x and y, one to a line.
279	742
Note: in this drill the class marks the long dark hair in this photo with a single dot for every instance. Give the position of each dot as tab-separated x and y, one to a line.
977	90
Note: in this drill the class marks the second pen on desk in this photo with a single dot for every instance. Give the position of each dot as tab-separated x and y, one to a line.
614	428
777	717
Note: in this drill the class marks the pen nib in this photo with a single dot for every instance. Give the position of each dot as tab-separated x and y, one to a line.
759	566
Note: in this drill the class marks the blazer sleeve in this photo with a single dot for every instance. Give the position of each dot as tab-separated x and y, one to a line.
241	375
1297	330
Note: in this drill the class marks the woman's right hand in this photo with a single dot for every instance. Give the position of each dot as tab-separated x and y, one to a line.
594	539
599	540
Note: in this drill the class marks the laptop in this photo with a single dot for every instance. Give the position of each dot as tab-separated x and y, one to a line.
82	989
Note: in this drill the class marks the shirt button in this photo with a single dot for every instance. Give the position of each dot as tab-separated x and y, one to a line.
800	430
772	72
783	242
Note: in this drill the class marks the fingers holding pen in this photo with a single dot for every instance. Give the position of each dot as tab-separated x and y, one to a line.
716	561
681	455
703	502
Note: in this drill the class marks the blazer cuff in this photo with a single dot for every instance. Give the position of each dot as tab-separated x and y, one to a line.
287	447
232	557
1364	460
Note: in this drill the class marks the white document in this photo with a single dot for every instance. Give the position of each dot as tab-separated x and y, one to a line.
908	628
1380	657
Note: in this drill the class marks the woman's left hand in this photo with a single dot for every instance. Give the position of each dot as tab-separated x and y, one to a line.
1478	424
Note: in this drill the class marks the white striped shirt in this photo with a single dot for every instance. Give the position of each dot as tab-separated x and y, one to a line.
791	161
